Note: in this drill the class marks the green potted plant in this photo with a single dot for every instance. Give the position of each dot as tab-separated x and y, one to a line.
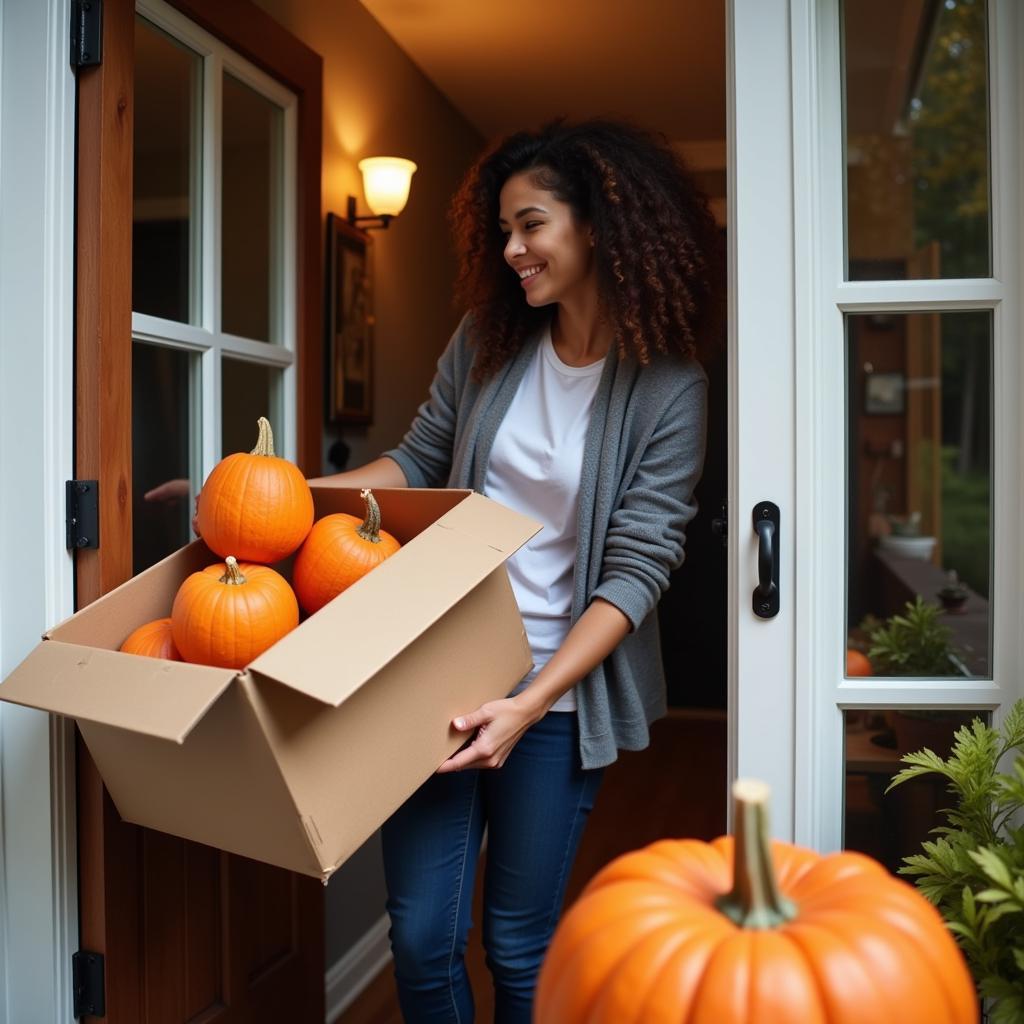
915	643
974	871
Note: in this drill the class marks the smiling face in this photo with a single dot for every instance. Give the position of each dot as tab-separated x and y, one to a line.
548	248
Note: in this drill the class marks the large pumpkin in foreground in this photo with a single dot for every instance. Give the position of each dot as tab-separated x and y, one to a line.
256	506
229	613
665	936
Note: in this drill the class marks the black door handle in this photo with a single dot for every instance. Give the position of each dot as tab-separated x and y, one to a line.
766	526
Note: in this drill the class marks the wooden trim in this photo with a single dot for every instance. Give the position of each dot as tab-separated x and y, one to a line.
109	853
103	431
257	37
103	324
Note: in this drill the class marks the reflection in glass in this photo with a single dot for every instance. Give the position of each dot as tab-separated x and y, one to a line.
891	826
916	82
919	492
251	199
165	219
161	494
248	391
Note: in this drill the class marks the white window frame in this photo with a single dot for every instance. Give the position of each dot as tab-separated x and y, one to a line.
206	339
821	691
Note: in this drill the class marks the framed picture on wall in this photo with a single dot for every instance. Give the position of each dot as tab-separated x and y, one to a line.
349	320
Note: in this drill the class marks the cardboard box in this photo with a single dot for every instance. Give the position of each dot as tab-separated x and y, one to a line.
298	758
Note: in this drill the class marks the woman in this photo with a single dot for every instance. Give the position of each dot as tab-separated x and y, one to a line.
571	391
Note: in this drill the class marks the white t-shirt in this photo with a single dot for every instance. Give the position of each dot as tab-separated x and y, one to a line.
534	467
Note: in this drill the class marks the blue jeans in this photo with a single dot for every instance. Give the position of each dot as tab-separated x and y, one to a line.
534	807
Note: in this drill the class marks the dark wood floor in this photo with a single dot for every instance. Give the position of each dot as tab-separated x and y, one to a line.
676	787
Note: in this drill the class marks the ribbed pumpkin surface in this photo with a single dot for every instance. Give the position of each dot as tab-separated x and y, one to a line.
228	624
337	553
255	506
152	640
646	944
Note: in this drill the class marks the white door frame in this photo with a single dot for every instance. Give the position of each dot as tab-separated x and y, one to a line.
761	411
787	392
38	856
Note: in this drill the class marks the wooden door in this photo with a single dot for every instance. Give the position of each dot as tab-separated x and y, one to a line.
187	932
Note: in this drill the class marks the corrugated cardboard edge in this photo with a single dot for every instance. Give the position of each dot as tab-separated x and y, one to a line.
158	786
492	533
55	675
313	836
285	714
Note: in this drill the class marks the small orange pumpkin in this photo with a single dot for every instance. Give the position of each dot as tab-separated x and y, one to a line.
711	933
857	664
152	640
226	615
338	551
257	507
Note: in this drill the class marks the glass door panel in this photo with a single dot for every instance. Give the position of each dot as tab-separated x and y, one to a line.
891	826
162	443
167	157
248	391
252	193
920	492
917	139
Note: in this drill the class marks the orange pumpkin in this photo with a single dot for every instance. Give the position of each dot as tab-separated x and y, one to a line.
257	507
226	615
710	933
338	551
152	640
857	664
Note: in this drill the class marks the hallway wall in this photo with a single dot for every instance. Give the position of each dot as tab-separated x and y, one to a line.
378	103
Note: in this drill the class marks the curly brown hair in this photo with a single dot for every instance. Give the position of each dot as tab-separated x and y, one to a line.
657	247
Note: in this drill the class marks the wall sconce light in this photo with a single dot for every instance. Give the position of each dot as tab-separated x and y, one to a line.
386	181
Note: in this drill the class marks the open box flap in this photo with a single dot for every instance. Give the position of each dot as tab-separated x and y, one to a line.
151	696
107	621
360	631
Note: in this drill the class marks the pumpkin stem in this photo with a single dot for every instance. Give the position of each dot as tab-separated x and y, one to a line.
370	530
233	577
755	901
265	442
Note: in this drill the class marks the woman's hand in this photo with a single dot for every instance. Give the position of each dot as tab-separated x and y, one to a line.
169	490
499	725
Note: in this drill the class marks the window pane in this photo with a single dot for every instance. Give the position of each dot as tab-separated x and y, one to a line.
251	199
248	391
161	491
891	826
920	485
165	222
916	77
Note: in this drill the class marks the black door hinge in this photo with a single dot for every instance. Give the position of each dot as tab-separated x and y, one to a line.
86	33
82	514
90	997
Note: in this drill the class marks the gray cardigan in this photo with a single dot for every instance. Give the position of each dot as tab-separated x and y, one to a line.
642	458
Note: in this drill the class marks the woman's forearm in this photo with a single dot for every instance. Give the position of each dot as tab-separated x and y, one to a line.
382	472
598	631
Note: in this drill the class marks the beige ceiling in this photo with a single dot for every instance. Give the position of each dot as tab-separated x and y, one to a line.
510	65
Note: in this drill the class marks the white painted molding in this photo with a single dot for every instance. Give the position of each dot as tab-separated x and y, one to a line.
350	974
38	869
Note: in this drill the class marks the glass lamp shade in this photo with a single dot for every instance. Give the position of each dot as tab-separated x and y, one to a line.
386	181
